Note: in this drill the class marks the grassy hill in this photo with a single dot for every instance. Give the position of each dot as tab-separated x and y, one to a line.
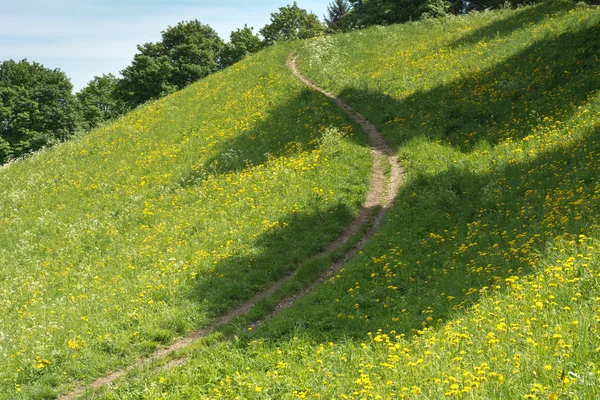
137	233
484	281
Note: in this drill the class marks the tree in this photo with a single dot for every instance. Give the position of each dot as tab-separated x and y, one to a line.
336	19
481	5
148	76
242	43
188	51
290	23
193	50
385	12
37	108
98	101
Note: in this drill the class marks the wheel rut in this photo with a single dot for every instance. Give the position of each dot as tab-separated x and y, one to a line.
381	196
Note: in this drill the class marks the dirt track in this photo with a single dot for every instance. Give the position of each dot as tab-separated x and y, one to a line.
381	196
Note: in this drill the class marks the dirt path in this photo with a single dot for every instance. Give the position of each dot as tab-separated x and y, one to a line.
382	193
379	195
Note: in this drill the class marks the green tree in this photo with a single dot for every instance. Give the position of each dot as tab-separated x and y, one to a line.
98	101
336	19
290	23
37	108
481	5
386	12
242	43
187	52
148	76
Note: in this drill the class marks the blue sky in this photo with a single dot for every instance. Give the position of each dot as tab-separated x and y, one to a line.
88	38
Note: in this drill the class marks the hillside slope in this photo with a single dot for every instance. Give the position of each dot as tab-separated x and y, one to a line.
484	281
145	229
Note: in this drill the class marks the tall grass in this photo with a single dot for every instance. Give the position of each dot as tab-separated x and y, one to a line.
484	281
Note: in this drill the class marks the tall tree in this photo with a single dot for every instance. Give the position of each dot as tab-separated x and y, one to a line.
336	19
98	101
37	108
187	52
242	43
290	23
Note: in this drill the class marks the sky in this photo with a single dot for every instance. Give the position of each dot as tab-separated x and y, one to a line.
87	38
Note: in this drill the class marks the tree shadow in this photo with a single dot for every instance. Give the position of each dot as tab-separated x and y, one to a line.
281	133
515	21
279	252
297	237
450	238
499	104
454	235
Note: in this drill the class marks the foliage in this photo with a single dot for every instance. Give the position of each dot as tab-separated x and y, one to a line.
290	23
37	108
385	12
242	43
98	101
145	228
336	19
186	53
483	281
480	5
147	77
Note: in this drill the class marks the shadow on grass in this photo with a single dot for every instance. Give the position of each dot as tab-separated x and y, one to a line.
498	104
517	20
281	133
279	252
450	238
456	234
451	235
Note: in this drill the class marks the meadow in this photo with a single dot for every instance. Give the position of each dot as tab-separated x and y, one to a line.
483	282
116	243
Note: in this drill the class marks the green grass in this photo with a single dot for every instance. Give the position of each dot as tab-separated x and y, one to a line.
483	282
124	239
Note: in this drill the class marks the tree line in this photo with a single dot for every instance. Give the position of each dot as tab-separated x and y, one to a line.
38	108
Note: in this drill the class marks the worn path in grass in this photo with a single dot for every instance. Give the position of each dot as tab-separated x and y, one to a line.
385	182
